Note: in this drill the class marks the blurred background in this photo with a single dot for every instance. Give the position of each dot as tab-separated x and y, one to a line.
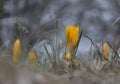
35	20
38	18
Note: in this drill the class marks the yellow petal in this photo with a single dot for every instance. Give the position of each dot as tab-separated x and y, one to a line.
16	50
106	51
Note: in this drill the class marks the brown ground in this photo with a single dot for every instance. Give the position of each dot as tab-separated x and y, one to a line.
19	74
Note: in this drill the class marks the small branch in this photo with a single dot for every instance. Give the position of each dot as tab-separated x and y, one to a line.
116	21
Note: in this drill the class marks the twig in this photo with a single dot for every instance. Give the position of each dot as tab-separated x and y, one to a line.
109	29
116	21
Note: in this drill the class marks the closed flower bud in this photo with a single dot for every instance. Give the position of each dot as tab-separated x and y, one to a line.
106	51
72	35
16	50
32	57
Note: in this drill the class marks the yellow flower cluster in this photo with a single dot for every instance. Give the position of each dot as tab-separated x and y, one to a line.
16	50
73	36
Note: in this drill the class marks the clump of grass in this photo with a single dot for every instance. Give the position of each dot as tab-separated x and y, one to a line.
60	57
73	36
105	58
63	56
115	53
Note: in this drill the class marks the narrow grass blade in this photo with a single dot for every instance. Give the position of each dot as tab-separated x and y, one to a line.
116	54
76	47
50	59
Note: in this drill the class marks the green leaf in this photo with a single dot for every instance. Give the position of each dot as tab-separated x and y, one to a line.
76	47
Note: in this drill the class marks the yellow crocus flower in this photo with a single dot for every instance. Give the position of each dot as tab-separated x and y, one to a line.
72	35
16	50
106	51
32	57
